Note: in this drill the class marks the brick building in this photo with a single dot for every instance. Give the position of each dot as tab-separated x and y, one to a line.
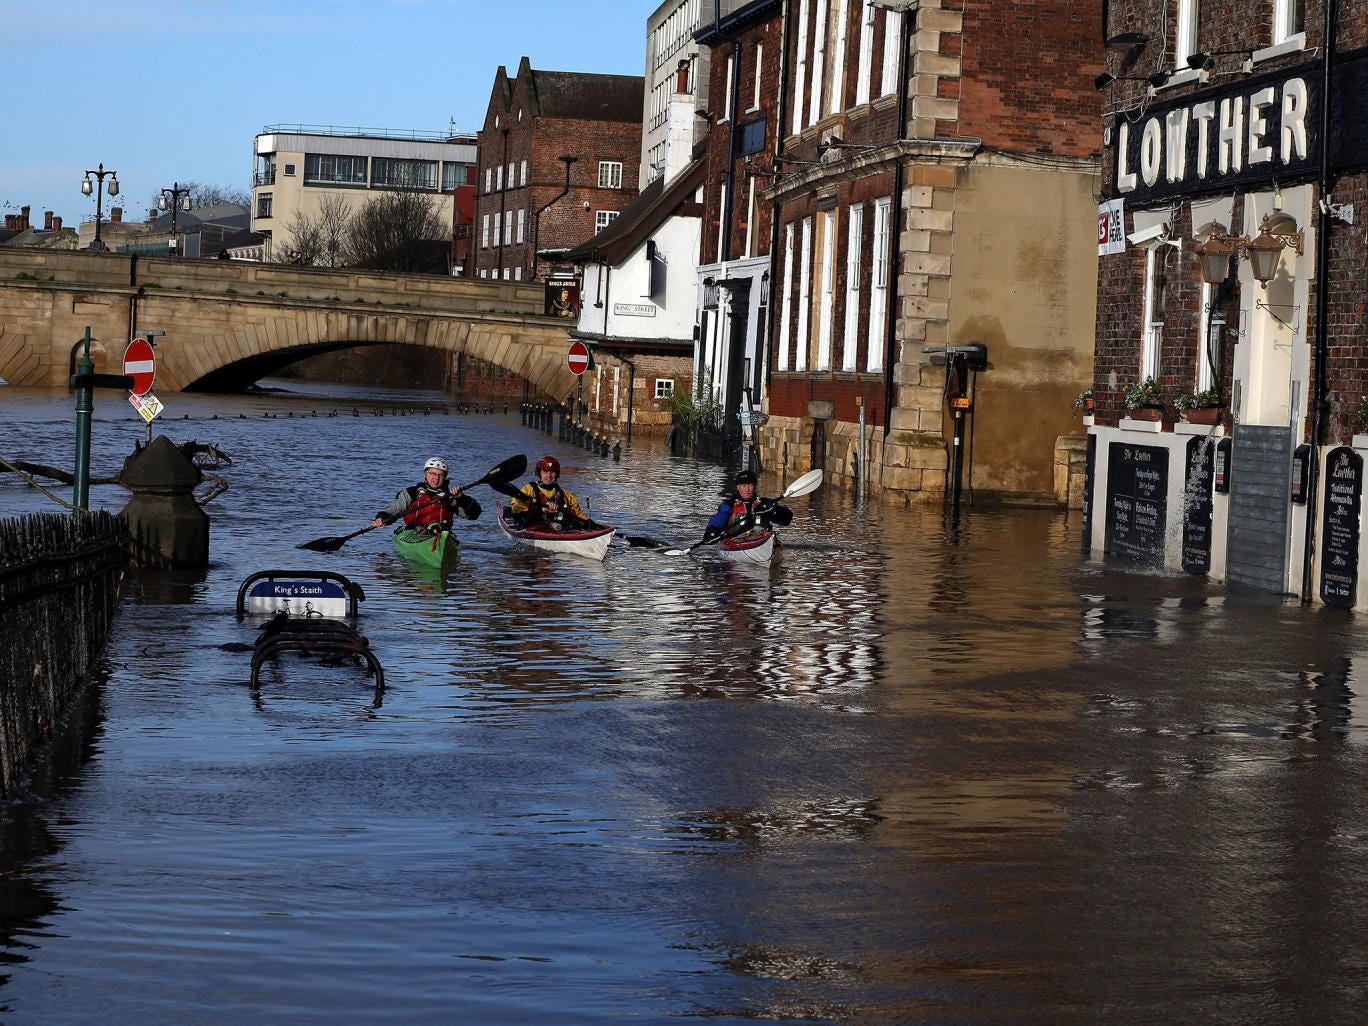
1232	269
936	186
524	203
745	46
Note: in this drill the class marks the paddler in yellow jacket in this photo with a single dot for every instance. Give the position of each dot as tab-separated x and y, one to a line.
542	502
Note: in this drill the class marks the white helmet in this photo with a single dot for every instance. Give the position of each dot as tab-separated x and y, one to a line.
436	463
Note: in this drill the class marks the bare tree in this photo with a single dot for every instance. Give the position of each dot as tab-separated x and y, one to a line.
316	240
399	231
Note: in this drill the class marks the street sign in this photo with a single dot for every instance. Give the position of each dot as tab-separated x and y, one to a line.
148	405
578	358
140	363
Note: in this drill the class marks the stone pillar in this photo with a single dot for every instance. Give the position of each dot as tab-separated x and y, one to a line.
169	529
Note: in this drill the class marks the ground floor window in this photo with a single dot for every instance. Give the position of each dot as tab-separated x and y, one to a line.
664	388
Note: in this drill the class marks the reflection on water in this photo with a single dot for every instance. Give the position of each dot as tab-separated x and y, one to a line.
912	772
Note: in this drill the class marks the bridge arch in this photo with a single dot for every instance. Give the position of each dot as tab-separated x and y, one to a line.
228	324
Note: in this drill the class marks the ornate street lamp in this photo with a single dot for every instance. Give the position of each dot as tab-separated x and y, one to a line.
179	200
98	188
1278	232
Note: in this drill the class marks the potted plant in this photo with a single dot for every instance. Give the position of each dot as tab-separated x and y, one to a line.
1361	414
1083	402
1200	407
1145	401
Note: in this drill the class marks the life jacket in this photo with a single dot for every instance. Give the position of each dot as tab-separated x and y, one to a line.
428	506
544	496
741	508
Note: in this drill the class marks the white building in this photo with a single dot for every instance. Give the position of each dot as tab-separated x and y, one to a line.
670	41
298	166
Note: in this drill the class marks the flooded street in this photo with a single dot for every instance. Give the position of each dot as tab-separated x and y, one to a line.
905	775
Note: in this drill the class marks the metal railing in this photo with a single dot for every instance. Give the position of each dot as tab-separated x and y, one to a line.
361	131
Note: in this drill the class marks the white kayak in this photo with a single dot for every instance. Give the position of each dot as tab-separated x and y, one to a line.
591	544
752	547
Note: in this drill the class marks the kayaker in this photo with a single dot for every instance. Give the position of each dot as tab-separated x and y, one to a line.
742	502
543	501
431	501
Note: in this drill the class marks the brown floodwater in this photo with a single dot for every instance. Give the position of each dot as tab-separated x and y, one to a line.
908	774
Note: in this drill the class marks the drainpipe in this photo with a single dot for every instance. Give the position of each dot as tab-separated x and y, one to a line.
133	299
1324	220
895	229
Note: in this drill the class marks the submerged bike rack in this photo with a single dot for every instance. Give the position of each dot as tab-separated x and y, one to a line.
305	609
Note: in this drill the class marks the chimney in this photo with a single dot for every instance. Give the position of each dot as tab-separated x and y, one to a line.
9	222
56	224
23	217
679	125
151	217
47	220
116	214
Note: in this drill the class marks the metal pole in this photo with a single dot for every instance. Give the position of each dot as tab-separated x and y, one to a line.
860	477
958	457
97	245
85	406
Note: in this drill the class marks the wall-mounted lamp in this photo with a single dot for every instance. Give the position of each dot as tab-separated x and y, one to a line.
1107	78
1198	61
1127	41
1277	232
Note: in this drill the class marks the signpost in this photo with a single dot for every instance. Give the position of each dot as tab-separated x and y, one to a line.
578	358
140	364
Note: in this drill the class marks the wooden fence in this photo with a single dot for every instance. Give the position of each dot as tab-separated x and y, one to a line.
59	587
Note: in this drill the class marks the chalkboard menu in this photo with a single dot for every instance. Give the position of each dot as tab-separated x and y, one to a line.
1137	488
1197	506
1340	527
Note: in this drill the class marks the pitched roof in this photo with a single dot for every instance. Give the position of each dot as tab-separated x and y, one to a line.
573	94
642	216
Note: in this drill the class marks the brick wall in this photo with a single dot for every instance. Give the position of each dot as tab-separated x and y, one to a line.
541	140
650	416
766	35
1037	98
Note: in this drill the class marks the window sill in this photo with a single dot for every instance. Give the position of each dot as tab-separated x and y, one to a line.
1179	77
1292	44
1150	426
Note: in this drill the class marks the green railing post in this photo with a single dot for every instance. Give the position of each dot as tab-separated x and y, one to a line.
85	406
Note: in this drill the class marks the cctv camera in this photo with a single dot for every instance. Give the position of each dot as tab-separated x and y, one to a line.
1154	233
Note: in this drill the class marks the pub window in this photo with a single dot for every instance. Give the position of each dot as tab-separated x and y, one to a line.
664	388
1156	295
1208	346
1289	20
1185	33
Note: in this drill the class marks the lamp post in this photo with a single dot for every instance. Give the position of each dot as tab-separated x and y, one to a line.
98	188
180	200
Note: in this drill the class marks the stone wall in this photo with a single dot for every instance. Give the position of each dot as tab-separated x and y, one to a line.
59	586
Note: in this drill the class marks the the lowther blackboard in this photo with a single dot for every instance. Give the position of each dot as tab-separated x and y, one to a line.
1197	506
1340	527
1137	488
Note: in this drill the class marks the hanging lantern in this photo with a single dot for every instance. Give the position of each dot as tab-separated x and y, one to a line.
1264	253
1214	257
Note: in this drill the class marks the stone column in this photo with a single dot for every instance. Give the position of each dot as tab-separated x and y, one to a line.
169	529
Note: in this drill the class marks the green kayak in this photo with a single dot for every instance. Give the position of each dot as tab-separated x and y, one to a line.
436	551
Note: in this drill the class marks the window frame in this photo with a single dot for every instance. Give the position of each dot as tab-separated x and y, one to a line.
1285	29
854	267
1185	25
786	302
664	388
878	286
611	170
603	218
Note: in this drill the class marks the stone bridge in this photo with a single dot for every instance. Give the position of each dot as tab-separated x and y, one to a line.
228	324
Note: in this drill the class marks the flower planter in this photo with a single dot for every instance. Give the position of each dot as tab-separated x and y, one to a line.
1151	413
1203	415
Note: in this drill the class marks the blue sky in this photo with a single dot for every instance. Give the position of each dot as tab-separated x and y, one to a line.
175	90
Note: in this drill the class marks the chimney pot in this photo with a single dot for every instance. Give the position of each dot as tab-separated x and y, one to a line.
116	214
56	224
9	222
47	220
24	218
682	77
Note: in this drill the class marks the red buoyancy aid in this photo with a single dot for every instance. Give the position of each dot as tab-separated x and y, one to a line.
428	506
740	509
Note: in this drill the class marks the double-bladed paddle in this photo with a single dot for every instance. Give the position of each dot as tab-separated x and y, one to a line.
514	466
809	482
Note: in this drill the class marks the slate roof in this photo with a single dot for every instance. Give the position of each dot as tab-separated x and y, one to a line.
572	94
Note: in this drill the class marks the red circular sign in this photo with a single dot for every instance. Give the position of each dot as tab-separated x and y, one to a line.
578	358
140	364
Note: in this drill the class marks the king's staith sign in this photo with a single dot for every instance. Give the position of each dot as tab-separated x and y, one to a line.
1249	133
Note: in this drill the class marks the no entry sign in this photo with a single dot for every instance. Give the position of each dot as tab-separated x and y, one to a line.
140	364
578	358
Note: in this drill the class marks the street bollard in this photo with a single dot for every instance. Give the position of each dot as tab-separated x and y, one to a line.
617	452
